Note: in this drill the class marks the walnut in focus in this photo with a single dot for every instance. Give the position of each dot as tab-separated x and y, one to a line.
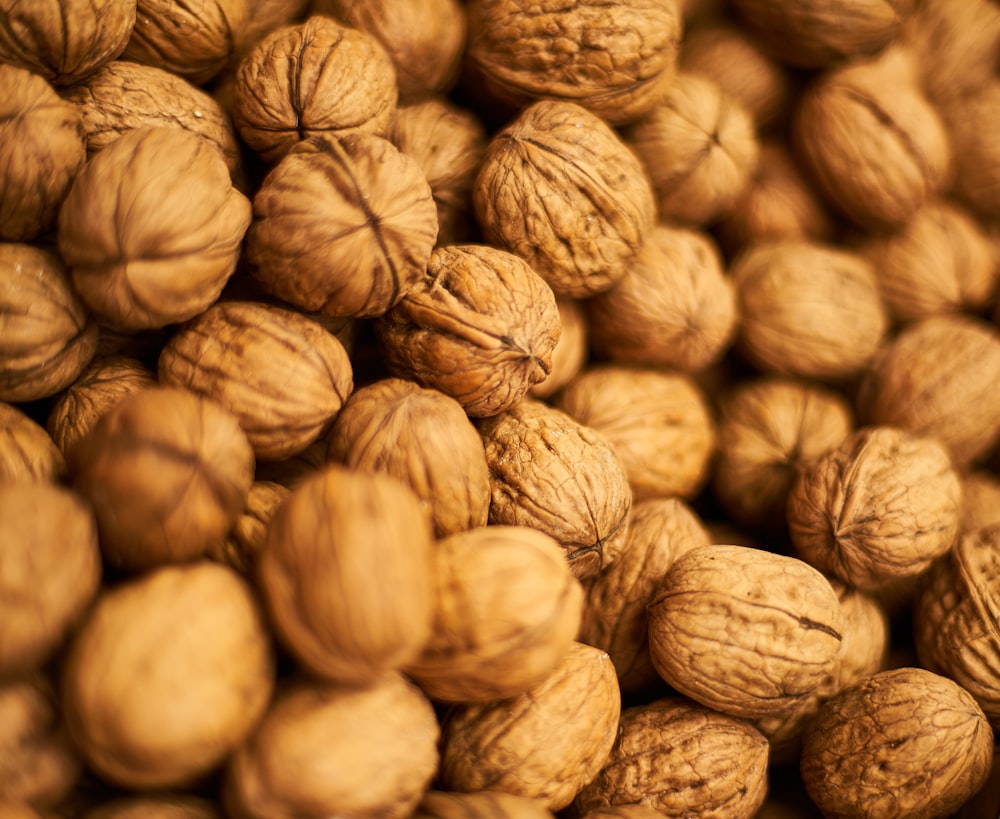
36	35
571	351
166	806
495	804
699	147
573	714
148	248
674	307
970	123
167	473
614	59
27	452
246	541
904	742
479	325
322	750
316	78
980	500
560	188
552	473
343	227
206	675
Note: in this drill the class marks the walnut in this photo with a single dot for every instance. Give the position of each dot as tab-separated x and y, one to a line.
573	714
571	351
362	534
744	631
901	742
808	309
682	759
496	804
564	478
169	806
969	121
41	151
167	473
342	227
371	753
658	423
37	36
613	60
871	140
769	430
316	78
614	613
246	541
480	326
939	377
561	189
673	308
699	147
980	500
623	812
47	336
264	17
147	248
422	437
192	39
27	453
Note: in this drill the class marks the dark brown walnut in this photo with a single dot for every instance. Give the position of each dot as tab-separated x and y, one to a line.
674	307
148	248
615	60
47	336
904	742
614	612
422	437
41	151
167	473
682	759
480	326
571	351
280	374
980	500
871	140
658	422
27	452
448	143
699	147
196	638
818	33
560	188
323	750
807	309
552	473
168	806
481	805
246	541
342	227
193	39
769	430
969	121
879	507
507	610
744	631
573	714
315	78
361	534
939	377
38	36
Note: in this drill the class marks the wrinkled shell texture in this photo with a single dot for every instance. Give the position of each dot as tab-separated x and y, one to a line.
245	542
27	453
482	805
573	714
561	189
561	477
480	326
904	742
744	631
616	60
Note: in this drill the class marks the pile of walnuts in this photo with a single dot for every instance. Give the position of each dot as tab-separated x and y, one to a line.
501	408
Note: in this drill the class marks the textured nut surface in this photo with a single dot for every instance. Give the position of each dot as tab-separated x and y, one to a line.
246	541
27	453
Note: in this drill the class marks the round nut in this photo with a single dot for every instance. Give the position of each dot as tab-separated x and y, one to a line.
27	453
969	121
496	804
245	542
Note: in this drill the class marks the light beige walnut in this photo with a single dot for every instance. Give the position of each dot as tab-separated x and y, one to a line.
27	452
969	121
245	542
571	352
980	500
169	806
496	804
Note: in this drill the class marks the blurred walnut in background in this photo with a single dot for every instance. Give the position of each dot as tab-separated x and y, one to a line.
169	806
246	540
970	123
571	351
27	452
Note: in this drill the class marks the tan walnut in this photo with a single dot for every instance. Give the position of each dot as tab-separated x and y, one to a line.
27	452
168	806
969	121
245	542
496	804
571	351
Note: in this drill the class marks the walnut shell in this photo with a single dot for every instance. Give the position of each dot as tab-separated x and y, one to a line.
371	753
969	122
980	500
493	804
147	248
658	423
571	351
169	806
623	812
573	714
552	473
422	437
561	189
682	759
27	453
480	326
47	336
744	631
167	473
207	675
869	752
360	533
315	78
246	541
342	227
